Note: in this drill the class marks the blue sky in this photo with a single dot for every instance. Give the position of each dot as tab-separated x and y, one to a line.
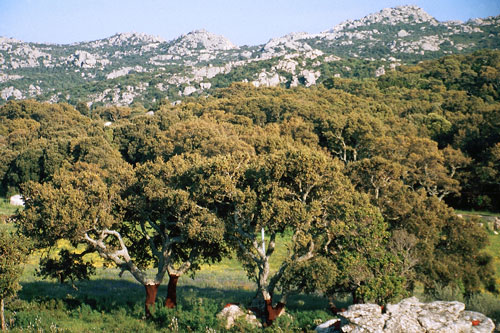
247	22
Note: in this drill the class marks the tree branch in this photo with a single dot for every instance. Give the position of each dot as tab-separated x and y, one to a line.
306	193
271	245
308	255
120	257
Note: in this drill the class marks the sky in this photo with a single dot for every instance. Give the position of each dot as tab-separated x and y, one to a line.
244	22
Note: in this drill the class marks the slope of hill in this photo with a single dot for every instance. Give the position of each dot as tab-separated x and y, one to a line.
133	67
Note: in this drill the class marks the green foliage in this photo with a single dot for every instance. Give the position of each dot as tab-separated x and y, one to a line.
205	177
485	303
13	254
447	293
44	315
194	315
14	251
69	266
6	209
169	196
79	199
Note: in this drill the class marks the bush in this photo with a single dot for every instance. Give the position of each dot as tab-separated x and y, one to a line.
487	304
446	293
308	320
193	315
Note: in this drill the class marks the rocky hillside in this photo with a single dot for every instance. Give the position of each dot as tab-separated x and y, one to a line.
136	68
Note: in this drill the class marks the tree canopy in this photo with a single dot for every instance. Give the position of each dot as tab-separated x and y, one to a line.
357	177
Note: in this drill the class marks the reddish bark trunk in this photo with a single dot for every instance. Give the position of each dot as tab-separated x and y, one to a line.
273	312
335	310
151	291
171	300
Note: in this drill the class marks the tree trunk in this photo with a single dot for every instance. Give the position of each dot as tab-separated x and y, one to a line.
151	291
2	314
333	307
171	300
273	312
356	299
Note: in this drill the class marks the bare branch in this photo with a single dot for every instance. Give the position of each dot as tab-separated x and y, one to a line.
308	255
259	250
248	252
329	240
242	232
120	257
181	270
277	276
123	251
308	190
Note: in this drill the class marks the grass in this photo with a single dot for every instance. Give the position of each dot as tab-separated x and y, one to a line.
6	209
109	303
476	212
112	304
493	249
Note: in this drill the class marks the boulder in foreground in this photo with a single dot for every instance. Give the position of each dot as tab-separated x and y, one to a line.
411	316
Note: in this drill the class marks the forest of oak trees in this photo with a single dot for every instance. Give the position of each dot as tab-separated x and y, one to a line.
361	176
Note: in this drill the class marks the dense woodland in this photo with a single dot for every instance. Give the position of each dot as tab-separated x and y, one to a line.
361	177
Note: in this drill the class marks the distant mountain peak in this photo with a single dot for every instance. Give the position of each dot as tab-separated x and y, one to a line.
409	14
289	41
135	67
134	38
202	39
7	40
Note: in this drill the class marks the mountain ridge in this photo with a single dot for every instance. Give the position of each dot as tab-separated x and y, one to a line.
136	67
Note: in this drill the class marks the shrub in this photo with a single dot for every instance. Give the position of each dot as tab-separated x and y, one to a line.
487	304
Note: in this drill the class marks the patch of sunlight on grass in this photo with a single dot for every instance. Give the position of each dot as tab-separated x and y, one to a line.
227	274
6	209
478	212
493	249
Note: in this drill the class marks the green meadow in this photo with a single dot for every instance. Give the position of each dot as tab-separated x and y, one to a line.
111	303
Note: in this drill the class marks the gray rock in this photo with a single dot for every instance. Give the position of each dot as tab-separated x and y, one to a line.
266	79
380	71
480	323
233	312
413	316
17	200
327	326
189	90
403	33
124	71
364	318
200	39
83	59
205	85
11	91
310	77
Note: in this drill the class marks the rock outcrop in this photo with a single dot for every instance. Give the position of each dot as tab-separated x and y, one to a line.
233	312
123	71
133	67
6	93
200	39
410	316
391	16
